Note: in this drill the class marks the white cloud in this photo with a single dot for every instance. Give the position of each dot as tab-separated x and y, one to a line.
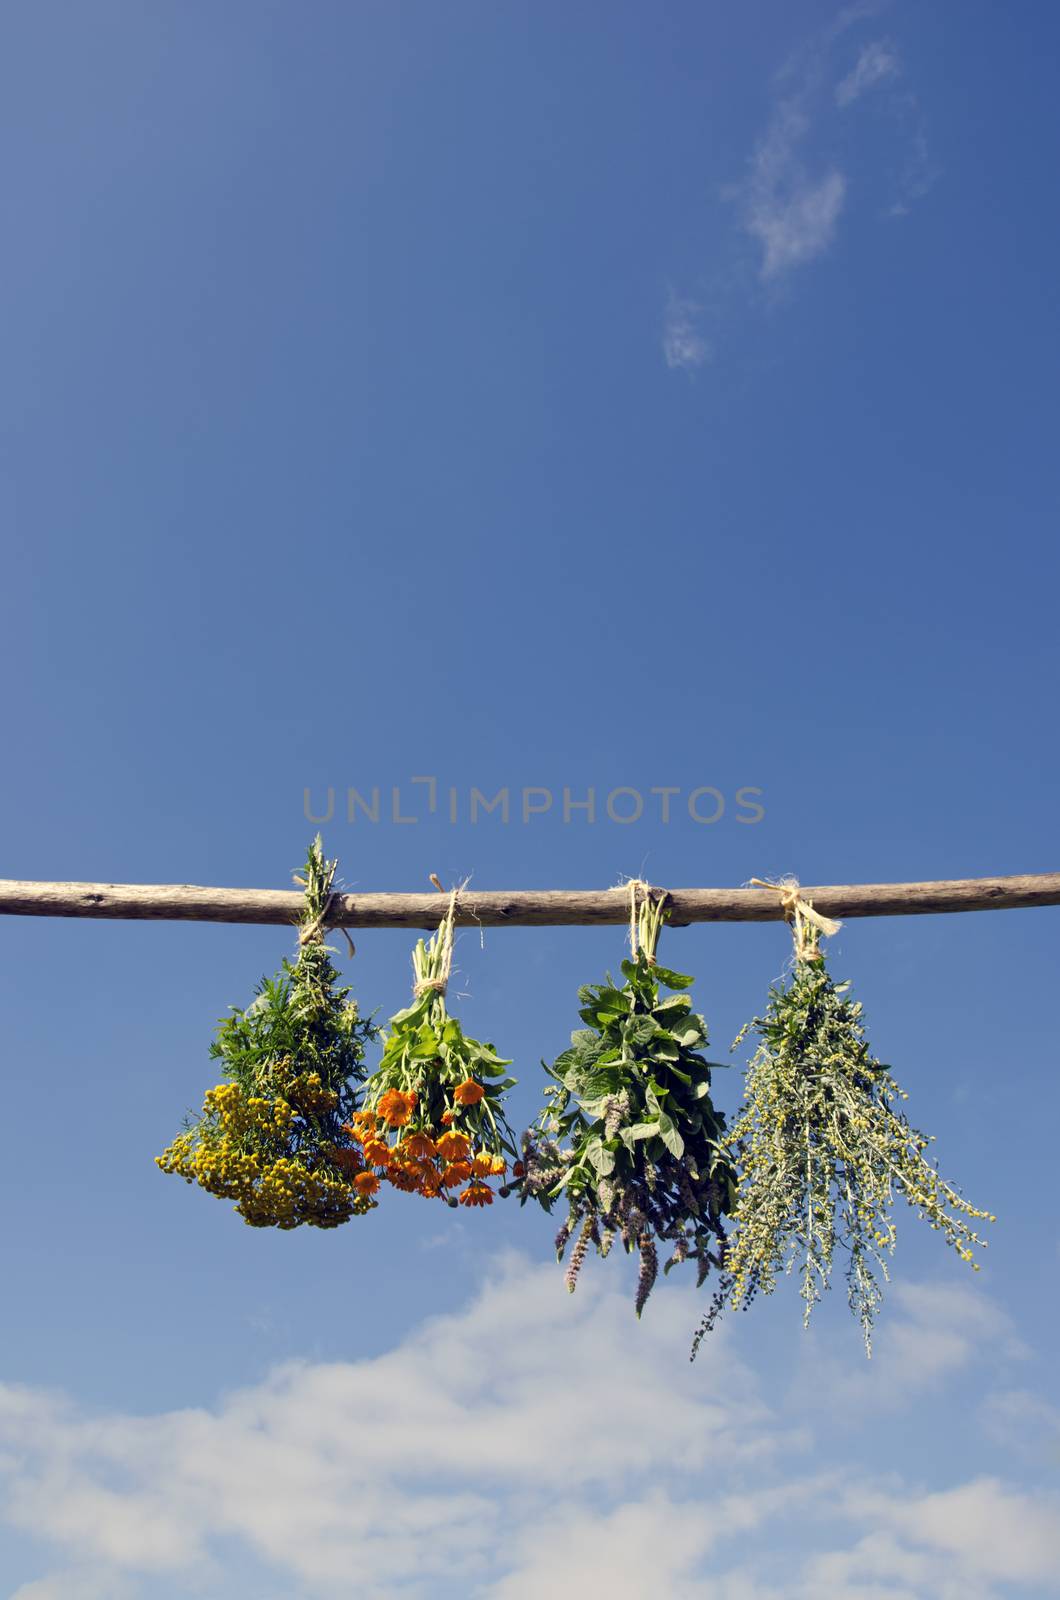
795	189
530	1444
683	343
928	1335
526	1397
982	1532
791	213
1025	1424
877	62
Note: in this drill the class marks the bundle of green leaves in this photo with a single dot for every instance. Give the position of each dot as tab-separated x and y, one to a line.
276	1136
629	1138
823	1150
433	1121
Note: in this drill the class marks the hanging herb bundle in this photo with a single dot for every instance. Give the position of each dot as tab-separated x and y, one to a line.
630	1138
821	1147
274	1137
432	1120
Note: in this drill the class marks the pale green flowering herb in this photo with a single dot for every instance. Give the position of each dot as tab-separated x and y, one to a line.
822	1152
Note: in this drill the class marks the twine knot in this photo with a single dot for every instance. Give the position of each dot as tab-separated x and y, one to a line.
807	924
644	931
313	931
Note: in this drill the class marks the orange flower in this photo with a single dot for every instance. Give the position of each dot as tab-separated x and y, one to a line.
447	1117
468	1093
456	1172
454	1146
395	1107
518	1171
498	1166
430	1183
364	1119
406	1177
377	1151
476	1194
366	1183
482	1165
419	1146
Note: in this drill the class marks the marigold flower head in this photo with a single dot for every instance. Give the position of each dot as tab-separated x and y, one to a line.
377	1152
447	1117
498	1166
482	1165
419	1146
476	1194
454	1146
396	1106
404	1177
366	1183
456	1172
468	1093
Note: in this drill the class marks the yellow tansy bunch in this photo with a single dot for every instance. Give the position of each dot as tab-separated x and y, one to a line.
275	1138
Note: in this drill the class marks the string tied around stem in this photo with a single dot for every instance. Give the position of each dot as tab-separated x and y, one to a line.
807	925
645	918
438	955
314	927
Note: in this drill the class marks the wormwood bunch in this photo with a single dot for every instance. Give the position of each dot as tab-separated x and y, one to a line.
275	1136
822	1151
432	1120
630	1137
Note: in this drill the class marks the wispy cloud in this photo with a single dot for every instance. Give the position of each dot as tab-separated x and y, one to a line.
683	343
796	187
790	212
528	1444
877	62
934	1332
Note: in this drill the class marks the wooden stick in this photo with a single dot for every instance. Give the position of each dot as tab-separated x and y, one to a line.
516	908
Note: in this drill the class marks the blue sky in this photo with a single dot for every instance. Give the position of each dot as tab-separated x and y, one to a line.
542	398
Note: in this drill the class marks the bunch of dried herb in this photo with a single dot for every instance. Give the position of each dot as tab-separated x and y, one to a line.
274	1137
823	1151
432	1120
630	1139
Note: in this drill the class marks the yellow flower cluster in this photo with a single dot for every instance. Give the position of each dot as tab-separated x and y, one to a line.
307	1092
240	1151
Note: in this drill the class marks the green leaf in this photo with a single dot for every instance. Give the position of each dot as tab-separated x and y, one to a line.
601	1157
591	1084
670	1137
640	1030
690	1032
674	1005
671	979
491	1069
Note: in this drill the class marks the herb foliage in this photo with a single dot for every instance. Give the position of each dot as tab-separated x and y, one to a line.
630	1138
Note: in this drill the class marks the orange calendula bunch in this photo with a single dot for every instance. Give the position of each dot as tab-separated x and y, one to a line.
432	1118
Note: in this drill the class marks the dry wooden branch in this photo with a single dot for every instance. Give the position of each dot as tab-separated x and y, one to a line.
526	908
